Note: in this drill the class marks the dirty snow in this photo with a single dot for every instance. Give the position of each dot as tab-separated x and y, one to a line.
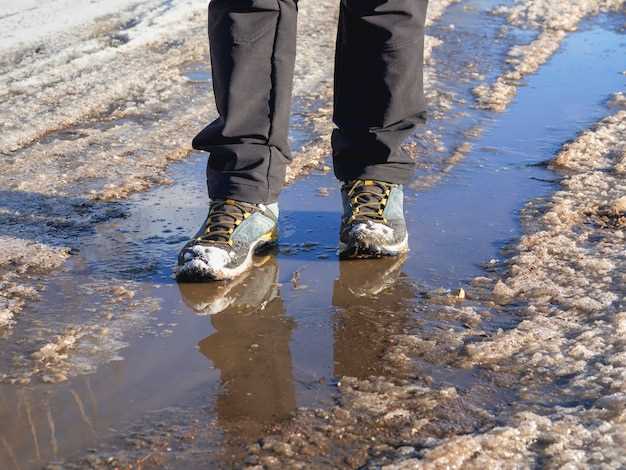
21	20
20	259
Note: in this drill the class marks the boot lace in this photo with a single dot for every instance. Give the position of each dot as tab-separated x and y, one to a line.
368	199
224	217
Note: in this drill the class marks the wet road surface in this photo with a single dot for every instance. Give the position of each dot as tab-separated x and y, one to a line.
245	355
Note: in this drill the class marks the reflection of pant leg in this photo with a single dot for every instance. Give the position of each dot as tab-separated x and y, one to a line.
371	306
251	350
252	58
379	95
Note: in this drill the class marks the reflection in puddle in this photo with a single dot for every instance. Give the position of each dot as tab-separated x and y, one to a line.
197	73
371	300
250	346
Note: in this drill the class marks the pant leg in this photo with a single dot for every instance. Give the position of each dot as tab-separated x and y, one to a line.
253	48
379	97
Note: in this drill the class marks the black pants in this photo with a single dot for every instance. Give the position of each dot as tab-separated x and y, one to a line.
378	92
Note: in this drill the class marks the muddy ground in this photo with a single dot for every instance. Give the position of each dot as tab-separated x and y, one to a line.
497	342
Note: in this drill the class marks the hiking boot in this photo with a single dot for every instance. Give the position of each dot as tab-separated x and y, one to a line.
225	244
373	222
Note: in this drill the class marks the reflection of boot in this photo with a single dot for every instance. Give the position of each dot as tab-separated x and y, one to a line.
253	289
371	299
359	280
250	347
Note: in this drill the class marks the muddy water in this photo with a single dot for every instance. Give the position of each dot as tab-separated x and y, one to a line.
240	357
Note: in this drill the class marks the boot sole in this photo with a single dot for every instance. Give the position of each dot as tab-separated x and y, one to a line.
259	246
355	250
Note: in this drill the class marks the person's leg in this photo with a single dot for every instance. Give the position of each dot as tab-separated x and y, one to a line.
379	100
379	95
253	44
253	48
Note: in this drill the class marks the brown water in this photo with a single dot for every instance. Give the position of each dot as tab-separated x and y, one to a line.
235	359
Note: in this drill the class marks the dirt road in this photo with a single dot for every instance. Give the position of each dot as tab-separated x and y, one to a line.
497	341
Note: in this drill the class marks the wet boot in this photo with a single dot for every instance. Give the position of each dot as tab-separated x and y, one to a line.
373	222
224	246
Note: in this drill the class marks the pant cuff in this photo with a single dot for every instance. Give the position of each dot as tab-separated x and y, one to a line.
395	173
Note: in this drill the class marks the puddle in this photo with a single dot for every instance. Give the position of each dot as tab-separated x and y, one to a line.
197	74
242	356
